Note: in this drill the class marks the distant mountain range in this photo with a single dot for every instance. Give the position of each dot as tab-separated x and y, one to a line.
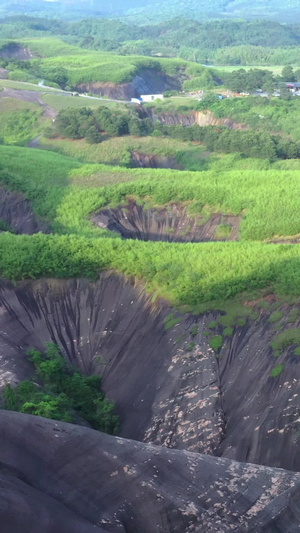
145	11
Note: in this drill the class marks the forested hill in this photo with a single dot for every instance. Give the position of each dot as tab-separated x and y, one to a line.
151	11
217	42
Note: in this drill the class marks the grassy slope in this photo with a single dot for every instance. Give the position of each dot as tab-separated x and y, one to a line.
20	121
184	273
85	66
60	102
110	151
254	193
21	85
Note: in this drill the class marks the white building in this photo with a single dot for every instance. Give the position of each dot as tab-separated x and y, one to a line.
151	97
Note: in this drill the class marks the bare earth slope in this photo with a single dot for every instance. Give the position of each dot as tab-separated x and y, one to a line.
60	477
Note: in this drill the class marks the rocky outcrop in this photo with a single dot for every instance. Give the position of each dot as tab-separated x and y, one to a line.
140	160
154	82
15	51
16	212
146	82
172	224
124	91
202	118
56	477
3	73
159	368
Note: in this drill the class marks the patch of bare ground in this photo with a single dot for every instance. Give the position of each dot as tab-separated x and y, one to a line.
270	298
288	239
33	97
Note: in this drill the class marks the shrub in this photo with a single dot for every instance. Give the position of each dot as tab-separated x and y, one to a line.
64	391
276	371
216	343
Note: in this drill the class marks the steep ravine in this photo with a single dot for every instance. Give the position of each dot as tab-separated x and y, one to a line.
171	223
158	367
17	213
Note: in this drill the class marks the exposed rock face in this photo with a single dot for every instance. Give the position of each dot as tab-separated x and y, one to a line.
3	73
168	386
147	82
94	482
15	51
171	224
151	82
16	211
202	118
124	91
141	160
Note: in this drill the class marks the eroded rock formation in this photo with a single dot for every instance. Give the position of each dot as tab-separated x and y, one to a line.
168	385
172	223
16	51
146	82
141	160
202	118
56	477
17	213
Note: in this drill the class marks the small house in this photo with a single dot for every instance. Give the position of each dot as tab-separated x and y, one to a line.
151	97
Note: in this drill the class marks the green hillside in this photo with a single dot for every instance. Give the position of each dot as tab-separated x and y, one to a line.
149	10
184	273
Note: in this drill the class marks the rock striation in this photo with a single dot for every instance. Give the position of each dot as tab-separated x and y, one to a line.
172	223
60	477
17	213
158	366
202	118
145	82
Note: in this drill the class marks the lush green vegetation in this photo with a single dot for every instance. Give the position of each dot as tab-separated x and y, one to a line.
285	339
216	342
276	316
114	150
274	121
183	273
61	392
275	115
65	65
48	181
221	42
88	124
276	371
20	125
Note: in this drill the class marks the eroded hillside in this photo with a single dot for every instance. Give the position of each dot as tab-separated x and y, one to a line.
197	344
177	380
